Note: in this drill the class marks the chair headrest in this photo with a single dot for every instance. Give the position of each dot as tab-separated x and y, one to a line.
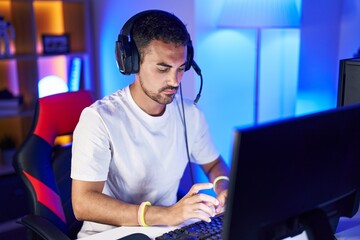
58	114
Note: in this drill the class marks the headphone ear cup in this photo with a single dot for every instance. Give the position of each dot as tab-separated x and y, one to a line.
190	56
123	54
127	56
135	58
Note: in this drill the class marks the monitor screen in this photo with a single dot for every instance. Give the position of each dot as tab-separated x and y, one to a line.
349	82
293	175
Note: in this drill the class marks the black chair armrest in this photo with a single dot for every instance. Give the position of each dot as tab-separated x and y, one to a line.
42	227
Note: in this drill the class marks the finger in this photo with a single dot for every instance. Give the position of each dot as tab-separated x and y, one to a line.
203	213
222	201
220	209
207	199
201	216
222	197
208	211
198	187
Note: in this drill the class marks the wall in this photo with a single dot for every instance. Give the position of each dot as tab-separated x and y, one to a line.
329	33
320	31
349	39
228	54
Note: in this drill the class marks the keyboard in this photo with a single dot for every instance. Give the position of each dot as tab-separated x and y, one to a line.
196	231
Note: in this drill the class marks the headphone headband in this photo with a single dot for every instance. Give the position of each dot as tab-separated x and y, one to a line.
126	29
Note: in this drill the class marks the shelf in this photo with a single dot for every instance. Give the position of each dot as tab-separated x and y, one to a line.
23	57
27	113
19	57
21	72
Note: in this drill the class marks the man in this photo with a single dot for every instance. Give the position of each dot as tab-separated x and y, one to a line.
130	150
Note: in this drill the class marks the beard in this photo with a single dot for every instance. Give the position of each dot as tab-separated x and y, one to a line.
158	96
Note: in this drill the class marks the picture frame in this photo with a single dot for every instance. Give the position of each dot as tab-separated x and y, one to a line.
56	44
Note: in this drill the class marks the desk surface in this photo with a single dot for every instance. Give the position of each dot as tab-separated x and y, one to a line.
120	232
350	230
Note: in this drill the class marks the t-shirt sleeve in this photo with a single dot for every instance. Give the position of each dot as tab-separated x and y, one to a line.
91	150
203	149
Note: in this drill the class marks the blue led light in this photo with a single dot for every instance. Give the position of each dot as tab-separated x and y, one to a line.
75	74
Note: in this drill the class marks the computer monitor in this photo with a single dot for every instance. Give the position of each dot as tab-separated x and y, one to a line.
349	82
292	175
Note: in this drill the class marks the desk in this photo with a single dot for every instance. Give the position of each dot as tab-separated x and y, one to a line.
349	228
350	231
349	234
120	232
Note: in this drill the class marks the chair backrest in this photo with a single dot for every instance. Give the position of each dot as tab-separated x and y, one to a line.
45	167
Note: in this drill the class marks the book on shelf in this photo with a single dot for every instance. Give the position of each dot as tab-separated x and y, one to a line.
10	102
10	111
10	106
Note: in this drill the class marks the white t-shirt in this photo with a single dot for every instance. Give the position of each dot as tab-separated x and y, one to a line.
140	157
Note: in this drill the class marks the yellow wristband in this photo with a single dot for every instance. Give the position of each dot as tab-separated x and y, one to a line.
141	213
218	179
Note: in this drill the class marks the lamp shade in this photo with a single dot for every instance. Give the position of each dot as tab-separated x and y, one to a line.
260	14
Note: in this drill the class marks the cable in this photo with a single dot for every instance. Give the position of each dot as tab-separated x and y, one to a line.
186	137
198	71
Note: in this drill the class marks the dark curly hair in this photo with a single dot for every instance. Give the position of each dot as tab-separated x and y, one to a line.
159	25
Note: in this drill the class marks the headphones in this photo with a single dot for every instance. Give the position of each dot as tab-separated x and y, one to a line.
128	57
126	52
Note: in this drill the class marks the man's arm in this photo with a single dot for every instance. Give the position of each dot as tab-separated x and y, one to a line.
90	204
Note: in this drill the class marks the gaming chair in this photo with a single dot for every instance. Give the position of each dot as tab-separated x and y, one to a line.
44	166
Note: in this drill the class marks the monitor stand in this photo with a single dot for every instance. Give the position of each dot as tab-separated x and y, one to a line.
317	226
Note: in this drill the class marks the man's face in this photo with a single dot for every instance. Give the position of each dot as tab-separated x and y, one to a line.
161	71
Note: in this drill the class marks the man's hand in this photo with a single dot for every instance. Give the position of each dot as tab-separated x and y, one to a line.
221	197
193	205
